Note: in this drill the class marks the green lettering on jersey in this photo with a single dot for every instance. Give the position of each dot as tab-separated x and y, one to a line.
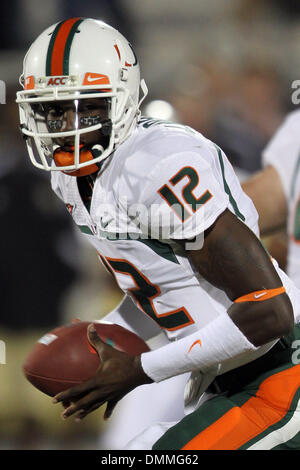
173	201
145	292
187	191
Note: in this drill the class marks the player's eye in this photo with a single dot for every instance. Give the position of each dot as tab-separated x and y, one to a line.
55	111
85	107
99	105
38	109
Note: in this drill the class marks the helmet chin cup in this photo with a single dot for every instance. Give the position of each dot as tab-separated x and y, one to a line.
64	158
97	150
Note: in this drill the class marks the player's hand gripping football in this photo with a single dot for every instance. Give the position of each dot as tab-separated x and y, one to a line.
117	375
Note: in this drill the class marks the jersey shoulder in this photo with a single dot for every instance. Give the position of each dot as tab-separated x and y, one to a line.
155	151
282	151
285	137
181	189
293	119
162	139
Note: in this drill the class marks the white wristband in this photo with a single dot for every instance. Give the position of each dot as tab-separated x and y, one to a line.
213	344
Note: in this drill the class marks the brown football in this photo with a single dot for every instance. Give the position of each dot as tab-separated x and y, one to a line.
63	357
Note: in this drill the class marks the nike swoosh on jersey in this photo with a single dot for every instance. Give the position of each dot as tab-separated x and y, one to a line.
105	223
194	344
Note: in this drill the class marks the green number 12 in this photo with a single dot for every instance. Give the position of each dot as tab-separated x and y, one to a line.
187	194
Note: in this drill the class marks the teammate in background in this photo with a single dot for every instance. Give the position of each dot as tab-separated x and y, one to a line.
275	192
166	213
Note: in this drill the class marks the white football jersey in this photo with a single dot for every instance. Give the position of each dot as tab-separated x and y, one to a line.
158	165
283	153
163	177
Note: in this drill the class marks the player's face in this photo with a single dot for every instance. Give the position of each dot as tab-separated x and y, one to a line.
63	116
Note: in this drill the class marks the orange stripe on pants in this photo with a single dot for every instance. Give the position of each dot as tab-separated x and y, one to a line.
241	424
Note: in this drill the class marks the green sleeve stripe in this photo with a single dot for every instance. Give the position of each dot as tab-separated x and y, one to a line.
85	229
162	249
227	189
296	223
295	177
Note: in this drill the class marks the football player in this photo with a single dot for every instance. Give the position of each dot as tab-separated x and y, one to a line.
166	213
275	191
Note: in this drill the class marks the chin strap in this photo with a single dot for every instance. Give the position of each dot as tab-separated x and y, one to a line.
144	89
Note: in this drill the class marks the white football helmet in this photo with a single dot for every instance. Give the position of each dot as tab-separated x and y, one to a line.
69	62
